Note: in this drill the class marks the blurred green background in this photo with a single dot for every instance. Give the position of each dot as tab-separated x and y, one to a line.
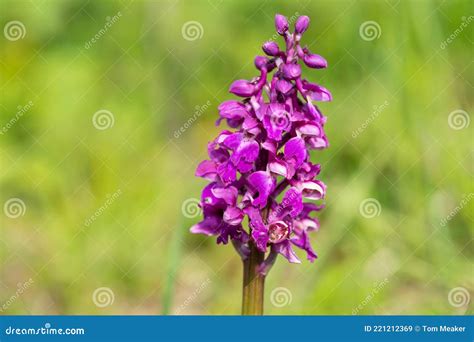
92	218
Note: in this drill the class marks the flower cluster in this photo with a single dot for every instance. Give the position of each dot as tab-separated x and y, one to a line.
262	168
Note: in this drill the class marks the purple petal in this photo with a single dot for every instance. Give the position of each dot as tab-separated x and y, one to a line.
293	200
259	230
291	71
209	226
310	129
270	146
295	151
271	48
302	241
207	169
276	120
242	88
301	24
281	24
260	62
314	190
317	92
232	110
229	231
318	143
233	216
227	172
308	171
218	154
232	141
284	86
315	61
208	199
245	155
307	224
285	249
228	194
308	208
263	183
292	204
281	168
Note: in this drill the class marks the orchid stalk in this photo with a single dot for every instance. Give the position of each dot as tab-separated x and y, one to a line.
261	168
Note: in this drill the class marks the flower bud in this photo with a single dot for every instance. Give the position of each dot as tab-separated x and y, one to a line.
315	61
271	48
260	62
242	88
291	71
281	24
301	24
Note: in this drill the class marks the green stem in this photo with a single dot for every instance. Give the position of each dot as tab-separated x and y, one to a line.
253	285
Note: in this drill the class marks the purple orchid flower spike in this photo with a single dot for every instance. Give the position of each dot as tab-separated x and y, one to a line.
262	169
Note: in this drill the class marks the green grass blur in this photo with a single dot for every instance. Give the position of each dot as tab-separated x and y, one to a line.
142	70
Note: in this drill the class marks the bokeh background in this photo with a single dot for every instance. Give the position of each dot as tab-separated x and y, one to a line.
107	107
